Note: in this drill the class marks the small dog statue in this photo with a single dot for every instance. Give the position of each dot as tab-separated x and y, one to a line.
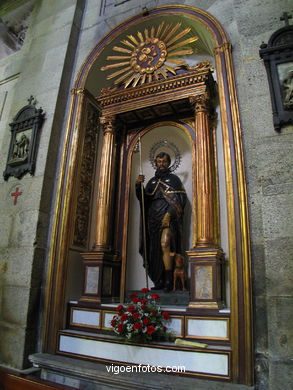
179	272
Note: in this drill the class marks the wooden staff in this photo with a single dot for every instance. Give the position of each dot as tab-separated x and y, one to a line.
143	217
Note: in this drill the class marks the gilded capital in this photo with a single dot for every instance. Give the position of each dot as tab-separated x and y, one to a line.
108	123
200	102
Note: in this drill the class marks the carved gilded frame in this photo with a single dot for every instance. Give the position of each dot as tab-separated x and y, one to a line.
238	227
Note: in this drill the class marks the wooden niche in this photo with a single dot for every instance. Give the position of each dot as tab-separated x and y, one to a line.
190	94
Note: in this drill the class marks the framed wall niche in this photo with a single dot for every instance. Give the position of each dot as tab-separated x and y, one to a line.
116	102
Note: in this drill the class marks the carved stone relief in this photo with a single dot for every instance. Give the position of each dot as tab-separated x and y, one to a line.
13	28
25	133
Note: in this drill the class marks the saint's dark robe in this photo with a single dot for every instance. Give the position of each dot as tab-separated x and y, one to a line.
163	193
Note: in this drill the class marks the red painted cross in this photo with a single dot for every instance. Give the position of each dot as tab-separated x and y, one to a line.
16	194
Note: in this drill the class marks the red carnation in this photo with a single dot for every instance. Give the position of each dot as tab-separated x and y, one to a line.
143	307
137	326
133	295
165	315
146	320
144	301
136	300
135	315
120	313
131	308
153	313
155	296
120	328
150	329
113	322
124	317
145	290
119	308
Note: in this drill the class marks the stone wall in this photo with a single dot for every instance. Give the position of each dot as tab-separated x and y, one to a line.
268	165
59	38
42	68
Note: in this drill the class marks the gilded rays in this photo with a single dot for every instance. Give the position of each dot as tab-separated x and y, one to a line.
150	55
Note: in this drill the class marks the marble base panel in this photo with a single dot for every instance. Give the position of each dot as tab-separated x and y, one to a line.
181	325
203	362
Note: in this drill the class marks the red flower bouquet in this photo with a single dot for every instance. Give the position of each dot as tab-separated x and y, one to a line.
141	319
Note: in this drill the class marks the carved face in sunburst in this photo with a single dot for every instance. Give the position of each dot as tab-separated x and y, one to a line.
150	57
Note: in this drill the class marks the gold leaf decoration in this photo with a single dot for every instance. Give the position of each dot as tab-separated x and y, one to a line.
149	56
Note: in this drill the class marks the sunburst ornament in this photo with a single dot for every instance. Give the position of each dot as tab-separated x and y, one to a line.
151	56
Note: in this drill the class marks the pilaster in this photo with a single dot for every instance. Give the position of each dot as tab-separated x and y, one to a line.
206	259
101	268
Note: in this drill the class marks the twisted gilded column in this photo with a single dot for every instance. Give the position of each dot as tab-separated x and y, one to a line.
106	182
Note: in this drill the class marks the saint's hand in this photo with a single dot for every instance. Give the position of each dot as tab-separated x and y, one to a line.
140	179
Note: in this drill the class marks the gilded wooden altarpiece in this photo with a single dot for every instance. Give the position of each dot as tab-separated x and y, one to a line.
191	94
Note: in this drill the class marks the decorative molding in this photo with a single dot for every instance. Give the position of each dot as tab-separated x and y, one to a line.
108	123
190	78
223	48
200	102
151	55
87	172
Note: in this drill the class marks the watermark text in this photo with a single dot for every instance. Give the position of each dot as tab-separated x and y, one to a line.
115	369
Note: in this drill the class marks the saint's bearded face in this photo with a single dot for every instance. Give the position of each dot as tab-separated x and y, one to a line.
162	162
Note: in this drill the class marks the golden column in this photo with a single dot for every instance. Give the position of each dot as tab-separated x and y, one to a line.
204	173
101	268
106	183
206	259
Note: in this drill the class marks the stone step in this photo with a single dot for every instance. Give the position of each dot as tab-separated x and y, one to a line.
84	374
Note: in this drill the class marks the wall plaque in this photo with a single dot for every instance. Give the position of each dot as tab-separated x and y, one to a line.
25	130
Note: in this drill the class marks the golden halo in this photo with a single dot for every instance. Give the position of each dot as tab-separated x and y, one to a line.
150	56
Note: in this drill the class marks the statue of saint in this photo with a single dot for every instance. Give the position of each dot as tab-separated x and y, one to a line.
164	201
